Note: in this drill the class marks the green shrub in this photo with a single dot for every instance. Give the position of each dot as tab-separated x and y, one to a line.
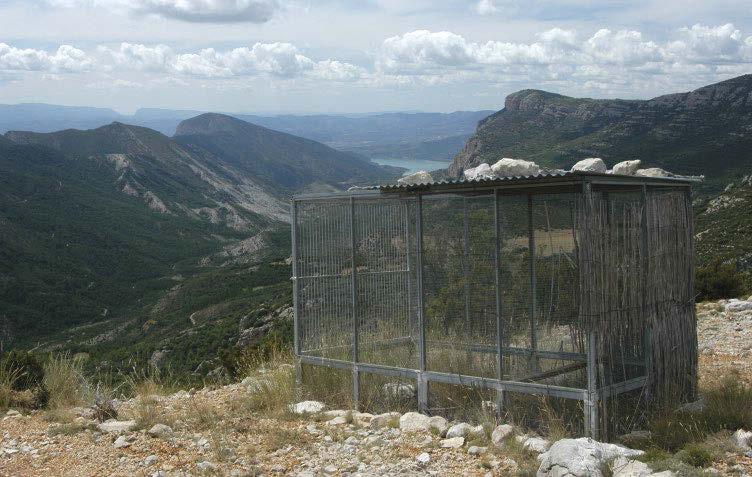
697	455
27	366
719	280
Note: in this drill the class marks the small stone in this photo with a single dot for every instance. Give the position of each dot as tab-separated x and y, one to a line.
121	442
330	470
335	413
337	421
438	424
113	426
159	430
362	418
508	167
401	391
535	444
352	441
423	459
453	443
742	439
150	460
626	168
307	407
426	442
206	466
459	430
476	450
383	420
500	434
623	467
414	421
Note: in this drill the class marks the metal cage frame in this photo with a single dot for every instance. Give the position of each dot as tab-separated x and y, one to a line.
591	191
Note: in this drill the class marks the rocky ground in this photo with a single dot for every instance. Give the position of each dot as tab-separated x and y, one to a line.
235	430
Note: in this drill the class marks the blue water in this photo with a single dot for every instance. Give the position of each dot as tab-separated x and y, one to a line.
413	165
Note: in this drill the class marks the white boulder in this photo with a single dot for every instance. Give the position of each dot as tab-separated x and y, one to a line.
500	434
438	424
423	459
480	172
508	167
414	421
742	439
382	420
591	164
738	305
159	430
113	426
653	172
399	390
420	177
532	443
626	168
623	467
452	443
581	457
307	407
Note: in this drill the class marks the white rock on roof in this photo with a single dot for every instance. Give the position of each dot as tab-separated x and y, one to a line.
480	172
591	164
508	167
420	177
653	172
626	168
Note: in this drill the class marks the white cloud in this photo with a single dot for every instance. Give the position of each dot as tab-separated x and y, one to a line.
282	60
66	59
486	7
198	11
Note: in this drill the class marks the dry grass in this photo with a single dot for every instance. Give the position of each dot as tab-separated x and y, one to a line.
8	377
65	381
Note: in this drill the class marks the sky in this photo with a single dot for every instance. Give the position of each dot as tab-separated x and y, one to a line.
348	56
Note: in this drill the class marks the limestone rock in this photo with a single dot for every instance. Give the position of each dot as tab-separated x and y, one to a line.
626	168
414	421
337	421
307	407
476	450
453	443
480	172
420	177
500	434
398	390
382	420
508	167
423	459
742	439
150	460
738	305
653	172
623	467
532	443
121	442
116	427
159	430
362	418
460	429
592	164
581	457
438	424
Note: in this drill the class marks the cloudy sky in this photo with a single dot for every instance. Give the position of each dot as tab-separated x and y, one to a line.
361	55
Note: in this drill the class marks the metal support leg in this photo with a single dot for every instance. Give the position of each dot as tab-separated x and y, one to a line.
591	404
356	387
533	285
422	384
497	293
355	318
422	393
298	380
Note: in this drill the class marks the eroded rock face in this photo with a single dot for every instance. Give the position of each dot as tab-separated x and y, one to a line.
581	457
592	164
420	177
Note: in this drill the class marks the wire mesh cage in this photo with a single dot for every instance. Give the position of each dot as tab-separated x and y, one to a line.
574	290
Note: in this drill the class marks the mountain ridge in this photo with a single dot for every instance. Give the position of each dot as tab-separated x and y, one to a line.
676	131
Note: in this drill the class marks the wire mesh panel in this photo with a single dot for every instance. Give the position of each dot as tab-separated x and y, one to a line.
458	278
385	277
324	278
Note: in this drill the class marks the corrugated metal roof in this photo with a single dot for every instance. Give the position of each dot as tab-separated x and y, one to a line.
545	177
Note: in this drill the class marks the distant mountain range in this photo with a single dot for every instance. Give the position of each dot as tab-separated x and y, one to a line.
431	136
113	236
707	131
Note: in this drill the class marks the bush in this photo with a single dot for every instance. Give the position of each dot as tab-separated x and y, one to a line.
8	378
697	455
719	280
30	372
